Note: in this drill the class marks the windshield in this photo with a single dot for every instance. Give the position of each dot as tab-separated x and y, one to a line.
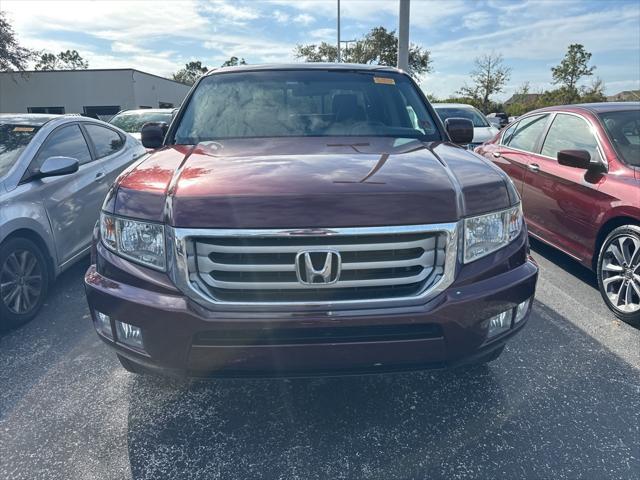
13	140
623	129
472	114
132	122
305	104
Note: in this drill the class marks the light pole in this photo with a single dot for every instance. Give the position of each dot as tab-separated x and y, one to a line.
338	31
403	36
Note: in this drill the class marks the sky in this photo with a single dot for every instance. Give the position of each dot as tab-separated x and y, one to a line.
159	36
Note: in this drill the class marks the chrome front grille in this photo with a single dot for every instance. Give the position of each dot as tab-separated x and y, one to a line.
366	264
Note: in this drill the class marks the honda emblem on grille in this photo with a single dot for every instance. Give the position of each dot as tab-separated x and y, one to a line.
318	267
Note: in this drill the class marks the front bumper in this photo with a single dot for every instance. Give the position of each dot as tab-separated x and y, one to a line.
183	338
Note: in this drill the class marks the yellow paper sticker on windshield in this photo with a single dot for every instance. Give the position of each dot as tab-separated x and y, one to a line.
384	80
23	129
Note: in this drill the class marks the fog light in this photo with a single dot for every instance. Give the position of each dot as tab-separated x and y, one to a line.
498	324
102	324
521	310
129	335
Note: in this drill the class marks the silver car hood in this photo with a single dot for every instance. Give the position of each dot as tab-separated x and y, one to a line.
483	134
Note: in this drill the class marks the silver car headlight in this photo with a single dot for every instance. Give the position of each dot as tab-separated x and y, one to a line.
487	233
142	242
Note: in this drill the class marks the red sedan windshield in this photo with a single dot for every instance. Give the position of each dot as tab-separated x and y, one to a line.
623	127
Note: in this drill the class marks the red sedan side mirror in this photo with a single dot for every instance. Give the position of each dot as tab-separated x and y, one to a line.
575	158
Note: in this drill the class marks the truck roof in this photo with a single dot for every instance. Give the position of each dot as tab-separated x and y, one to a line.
306	66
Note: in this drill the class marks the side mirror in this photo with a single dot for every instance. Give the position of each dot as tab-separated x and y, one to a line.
57	166
575	158
152	134
460	130
494	122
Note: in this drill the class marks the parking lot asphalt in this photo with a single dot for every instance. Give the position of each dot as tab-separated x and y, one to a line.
563	401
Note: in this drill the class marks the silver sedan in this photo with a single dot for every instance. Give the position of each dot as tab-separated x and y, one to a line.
55	171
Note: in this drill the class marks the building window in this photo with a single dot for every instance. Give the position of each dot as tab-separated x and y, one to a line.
53	110
104	112
165	105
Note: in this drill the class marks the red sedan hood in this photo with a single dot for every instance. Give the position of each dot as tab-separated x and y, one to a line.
294	183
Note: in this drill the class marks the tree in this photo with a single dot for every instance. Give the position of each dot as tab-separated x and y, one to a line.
571	69
524	89
13	57
474	101
378	47
47	61
191	72
234	62
594	92
69	60
325	52
489	77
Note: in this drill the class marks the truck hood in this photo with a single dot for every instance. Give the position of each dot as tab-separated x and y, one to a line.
310	183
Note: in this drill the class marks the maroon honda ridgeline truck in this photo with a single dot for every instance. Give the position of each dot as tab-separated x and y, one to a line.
307	220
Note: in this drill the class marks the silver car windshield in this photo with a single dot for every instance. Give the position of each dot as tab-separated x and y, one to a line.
475	116
132	122
13	140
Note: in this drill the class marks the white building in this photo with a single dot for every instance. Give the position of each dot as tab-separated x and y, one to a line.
94	93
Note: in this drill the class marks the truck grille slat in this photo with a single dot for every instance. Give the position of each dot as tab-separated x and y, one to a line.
207	248
289	258
206	264
252	268
210	280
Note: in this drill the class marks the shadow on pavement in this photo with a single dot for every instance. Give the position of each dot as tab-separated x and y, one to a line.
556	405
565	262
28	353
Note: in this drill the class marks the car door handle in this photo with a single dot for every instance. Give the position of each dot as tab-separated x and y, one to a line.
99	176
497	154
533	167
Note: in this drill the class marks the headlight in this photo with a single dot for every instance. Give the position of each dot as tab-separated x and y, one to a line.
485	234
139	241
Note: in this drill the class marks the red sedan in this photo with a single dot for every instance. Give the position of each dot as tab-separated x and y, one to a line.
577	169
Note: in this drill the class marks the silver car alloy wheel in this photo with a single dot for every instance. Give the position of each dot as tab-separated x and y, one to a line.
620	273
21	281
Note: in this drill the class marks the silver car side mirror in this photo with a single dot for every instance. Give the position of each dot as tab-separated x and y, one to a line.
57	166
